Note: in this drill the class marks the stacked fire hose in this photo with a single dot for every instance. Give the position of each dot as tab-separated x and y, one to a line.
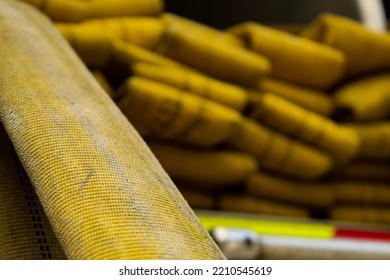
76	180
250	119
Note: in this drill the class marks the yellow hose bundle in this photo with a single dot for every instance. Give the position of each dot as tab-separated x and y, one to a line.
76	10
375	139
362	192
361	214
103	191
141	31
367	99
341	142
276	152
204	166
310	99
93	47
97	191
293	58
201	30
156	109
223	61
124	55
128	54
367	170
226	94
313	195
365	50
98	48
317	194
249	204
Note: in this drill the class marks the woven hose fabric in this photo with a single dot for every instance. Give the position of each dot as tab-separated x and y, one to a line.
25	232
103	191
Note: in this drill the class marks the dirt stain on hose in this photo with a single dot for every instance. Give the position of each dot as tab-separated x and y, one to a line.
85	182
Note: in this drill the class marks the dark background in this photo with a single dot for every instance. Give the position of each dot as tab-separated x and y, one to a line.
386	4
225	13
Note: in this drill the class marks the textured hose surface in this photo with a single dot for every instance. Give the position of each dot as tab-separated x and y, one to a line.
103	191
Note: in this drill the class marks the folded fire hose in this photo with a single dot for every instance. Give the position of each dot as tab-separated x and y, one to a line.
76	179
